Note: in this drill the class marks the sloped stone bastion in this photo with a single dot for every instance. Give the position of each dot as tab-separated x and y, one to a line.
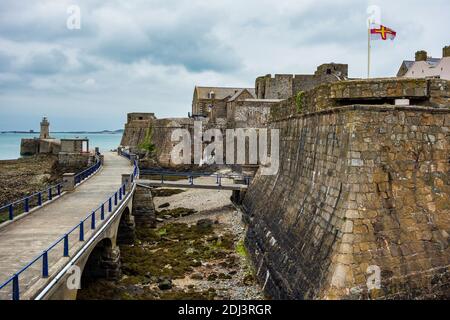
361	189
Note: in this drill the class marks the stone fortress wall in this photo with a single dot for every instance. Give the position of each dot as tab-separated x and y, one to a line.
359	185
162	133
284	86
136	128
247	113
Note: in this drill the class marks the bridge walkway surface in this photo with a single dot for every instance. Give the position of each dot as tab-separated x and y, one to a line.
25	239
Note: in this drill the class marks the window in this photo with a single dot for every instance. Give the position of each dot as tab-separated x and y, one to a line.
328	71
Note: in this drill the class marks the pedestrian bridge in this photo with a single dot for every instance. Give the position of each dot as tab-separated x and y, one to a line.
69	236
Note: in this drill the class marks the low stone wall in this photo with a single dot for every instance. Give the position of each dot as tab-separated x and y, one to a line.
358	187
421	92
74	160
30	147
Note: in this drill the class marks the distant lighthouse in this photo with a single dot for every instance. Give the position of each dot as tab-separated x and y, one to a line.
45	129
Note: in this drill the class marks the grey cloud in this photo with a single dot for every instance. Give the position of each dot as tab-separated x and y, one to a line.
27	20
42	63
194	54
187	42
128	57
6	62
330	23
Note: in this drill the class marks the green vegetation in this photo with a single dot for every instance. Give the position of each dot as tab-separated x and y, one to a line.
165	192
189	295
173	250
147	144
166	178
167	253
299	101
241	249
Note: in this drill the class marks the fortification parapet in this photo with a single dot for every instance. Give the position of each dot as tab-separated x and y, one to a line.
420	92
284	86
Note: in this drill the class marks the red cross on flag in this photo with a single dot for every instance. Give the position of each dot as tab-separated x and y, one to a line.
380	32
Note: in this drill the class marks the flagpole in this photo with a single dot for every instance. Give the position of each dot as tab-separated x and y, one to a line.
368	49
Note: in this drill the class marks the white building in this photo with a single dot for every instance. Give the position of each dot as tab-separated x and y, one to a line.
425	66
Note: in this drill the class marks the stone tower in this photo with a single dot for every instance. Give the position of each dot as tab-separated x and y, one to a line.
45	131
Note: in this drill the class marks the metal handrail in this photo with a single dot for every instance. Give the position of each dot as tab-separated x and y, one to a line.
88	172
26	201
29	197
108	205
125	154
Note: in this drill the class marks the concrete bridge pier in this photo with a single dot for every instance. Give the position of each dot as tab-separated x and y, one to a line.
126	233
103	263
143	208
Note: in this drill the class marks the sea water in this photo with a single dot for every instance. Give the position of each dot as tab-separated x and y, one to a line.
10	142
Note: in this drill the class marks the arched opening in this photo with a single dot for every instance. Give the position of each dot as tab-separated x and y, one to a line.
126	231
103	263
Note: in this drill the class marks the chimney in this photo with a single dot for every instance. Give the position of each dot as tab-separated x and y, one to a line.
446	52
421	55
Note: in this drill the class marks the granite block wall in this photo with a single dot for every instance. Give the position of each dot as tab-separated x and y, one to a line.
358	186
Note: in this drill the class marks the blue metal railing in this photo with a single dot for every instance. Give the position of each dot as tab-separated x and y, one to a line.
32	201
92	218
83	175
128	155
191	175
125	154
39	198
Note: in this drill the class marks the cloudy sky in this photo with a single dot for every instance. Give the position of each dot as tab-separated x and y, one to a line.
147	55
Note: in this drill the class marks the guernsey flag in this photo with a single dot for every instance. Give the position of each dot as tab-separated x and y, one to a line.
380	32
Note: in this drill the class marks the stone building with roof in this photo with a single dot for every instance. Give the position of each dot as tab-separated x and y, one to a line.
211	102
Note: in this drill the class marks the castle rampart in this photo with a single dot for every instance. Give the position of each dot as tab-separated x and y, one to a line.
284	86
360	187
